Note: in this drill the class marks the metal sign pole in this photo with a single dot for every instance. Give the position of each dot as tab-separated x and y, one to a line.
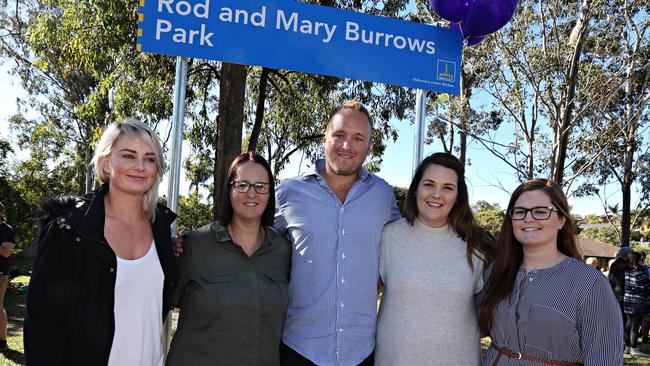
418	138
175	163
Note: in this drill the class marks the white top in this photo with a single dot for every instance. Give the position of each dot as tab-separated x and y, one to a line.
427	314
138	312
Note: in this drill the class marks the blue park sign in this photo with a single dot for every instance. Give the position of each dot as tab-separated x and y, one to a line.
297	36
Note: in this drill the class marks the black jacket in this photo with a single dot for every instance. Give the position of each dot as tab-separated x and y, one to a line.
70	319
616	277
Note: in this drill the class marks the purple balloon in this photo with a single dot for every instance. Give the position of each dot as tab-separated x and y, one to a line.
470	41
487	16
452	10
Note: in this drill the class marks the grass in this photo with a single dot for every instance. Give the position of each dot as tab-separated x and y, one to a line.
15	306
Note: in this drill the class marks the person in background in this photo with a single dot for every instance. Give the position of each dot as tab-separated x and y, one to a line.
7	239
593	262
542	305
609	265
234	277
635	301
616	277
103	277
431	265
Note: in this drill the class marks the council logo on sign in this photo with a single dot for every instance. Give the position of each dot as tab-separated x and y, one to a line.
446	70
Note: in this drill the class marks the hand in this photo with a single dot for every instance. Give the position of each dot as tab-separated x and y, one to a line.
177	243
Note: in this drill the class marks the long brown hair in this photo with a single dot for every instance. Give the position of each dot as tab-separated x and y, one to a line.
510	253
461	218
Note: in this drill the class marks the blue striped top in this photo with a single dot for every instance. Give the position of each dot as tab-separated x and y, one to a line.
332	311
566	312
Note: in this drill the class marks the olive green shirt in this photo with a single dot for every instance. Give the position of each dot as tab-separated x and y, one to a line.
232	306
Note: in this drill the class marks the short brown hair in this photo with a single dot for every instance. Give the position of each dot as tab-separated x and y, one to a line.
352	105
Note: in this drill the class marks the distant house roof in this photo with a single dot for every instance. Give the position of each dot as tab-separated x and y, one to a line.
594	248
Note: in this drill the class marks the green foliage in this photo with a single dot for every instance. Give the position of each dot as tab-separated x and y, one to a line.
609	235
591	219
489	216
400	197
192	212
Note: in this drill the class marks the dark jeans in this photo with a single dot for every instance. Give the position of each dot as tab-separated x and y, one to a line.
289	357
632	327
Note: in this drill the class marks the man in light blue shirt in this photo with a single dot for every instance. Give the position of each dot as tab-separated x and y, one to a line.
334	215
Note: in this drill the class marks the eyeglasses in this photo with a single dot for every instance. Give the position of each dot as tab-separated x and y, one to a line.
538	213
243	186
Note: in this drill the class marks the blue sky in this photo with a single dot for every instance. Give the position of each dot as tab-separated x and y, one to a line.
483	174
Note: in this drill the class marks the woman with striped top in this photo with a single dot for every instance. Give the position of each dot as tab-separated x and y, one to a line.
635	301
542	305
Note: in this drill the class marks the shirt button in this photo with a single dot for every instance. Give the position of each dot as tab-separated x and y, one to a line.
342	304
342	280
343	255
111	270
530	279
343	231
340	329
77	239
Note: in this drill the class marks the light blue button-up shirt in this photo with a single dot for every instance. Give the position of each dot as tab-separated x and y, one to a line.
332	312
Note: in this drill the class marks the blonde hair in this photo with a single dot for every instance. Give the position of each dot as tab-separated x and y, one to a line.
133	128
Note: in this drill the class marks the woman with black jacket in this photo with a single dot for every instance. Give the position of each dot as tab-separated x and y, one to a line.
103	278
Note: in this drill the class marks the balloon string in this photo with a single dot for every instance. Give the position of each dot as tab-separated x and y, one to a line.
460	28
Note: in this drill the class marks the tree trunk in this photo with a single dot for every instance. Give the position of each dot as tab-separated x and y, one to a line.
625	214
631	123
90	172
259	112
564	123
229	126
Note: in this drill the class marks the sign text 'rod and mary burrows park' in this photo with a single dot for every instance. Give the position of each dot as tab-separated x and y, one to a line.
297	36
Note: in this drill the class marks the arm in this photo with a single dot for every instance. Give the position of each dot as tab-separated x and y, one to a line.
5	248
7	240
47	299
185	265
602	327
280	222
394	210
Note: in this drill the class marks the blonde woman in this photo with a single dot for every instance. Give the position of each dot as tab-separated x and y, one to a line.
103	278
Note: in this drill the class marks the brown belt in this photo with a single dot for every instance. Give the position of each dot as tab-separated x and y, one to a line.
520	356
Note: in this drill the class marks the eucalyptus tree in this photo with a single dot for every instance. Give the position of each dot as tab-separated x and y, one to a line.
619	130
542	77
78	62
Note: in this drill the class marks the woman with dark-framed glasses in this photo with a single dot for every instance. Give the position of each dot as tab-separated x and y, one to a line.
542	305
234	275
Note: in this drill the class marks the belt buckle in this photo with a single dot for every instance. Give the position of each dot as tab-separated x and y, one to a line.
519	355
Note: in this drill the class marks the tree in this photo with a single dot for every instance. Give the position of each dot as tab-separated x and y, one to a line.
489	216
78	62
543	78
193	212
618	129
